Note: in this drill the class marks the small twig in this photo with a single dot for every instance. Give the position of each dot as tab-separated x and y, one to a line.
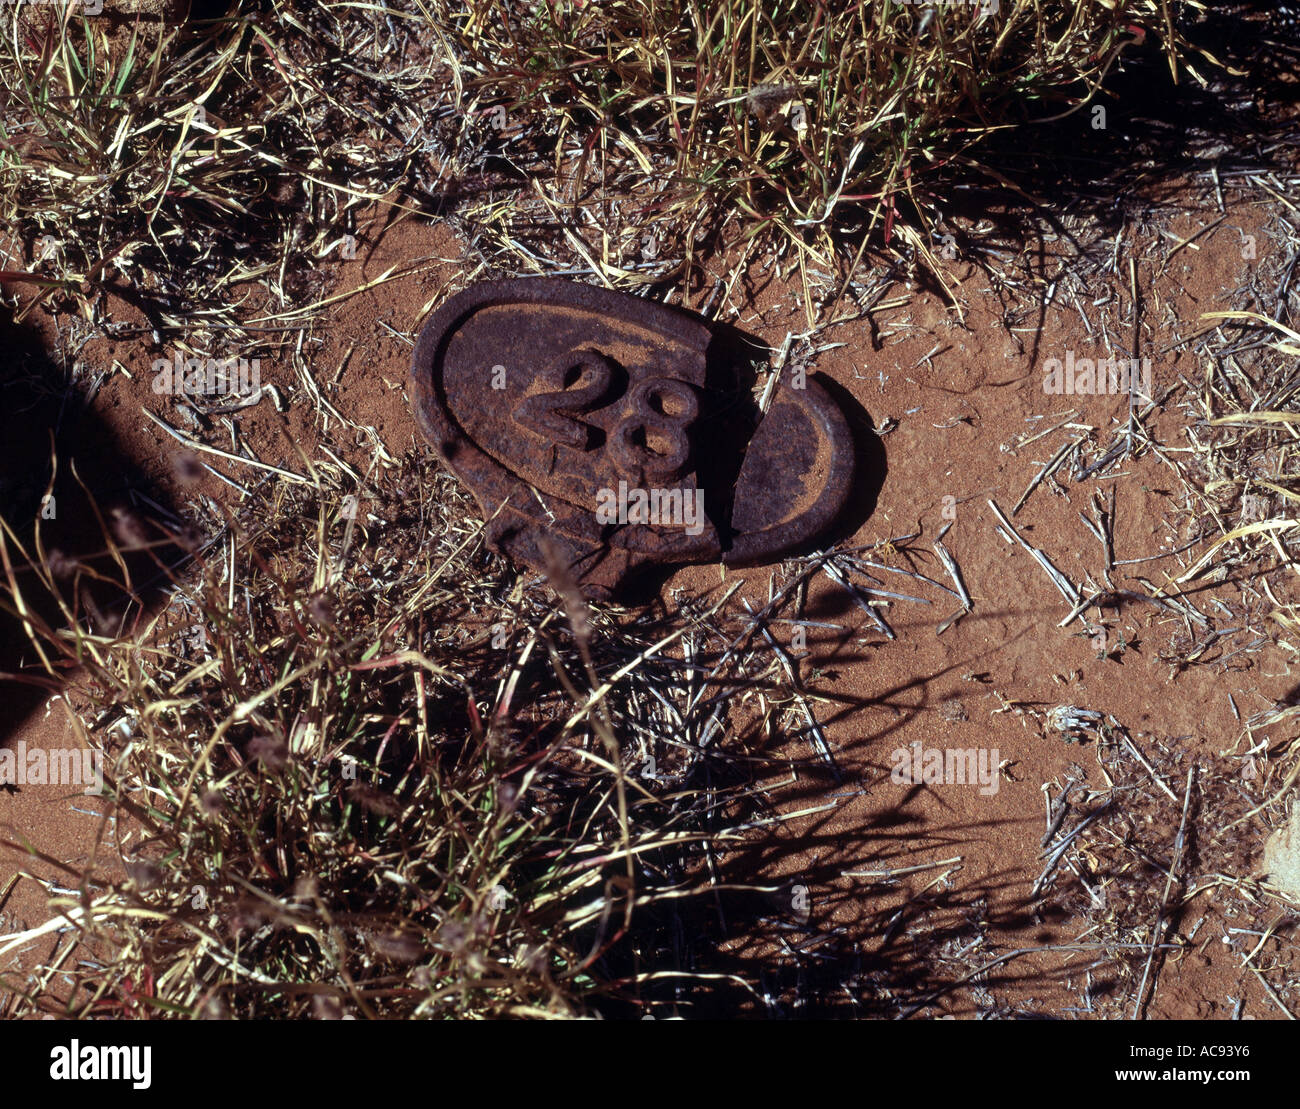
836	574
1164	900
1053	464
1062	583
900	870
1059	849
814	728
1142	759
195	445
954	572
1269	990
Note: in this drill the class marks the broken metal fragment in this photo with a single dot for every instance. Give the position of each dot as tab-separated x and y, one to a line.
618	433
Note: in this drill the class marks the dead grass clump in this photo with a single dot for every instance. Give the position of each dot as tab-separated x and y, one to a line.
356	767
787	122
1159	857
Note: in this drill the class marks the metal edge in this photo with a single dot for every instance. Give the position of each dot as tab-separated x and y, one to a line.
773	543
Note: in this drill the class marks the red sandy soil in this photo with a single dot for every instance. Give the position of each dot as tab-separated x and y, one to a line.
987	681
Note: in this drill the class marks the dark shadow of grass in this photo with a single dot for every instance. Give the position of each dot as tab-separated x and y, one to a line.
64	471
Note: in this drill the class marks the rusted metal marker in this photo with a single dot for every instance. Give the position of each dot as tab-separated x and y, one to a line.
592	421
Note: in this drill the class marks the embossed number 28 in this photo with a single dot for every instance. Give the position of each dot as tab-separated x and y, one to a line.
651	441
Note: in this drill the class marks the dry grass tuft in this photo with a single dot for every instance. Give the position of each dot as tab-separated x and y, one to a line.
355	766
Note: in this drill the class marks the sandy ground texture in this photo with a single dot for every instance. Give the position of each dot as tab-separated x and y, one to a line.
889	878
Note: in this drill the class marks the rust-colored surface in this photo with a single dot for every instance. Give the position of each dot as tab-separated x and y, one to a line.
574	415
